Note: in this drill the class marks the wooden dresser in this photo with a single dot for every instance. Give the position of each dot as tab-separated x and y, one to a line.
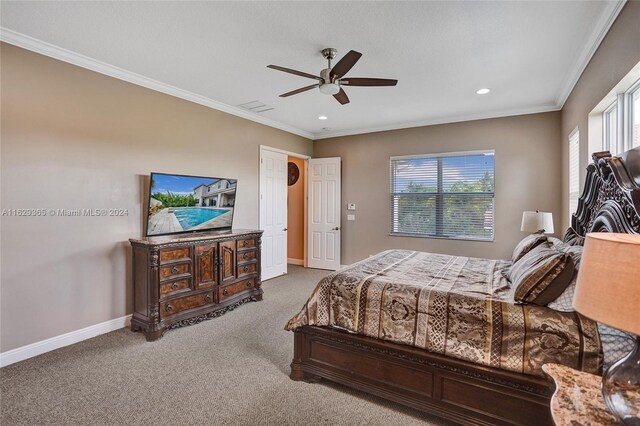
183	280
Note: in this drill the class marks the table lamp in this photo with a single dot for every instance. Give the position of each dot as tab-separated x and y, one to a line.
537	222
608	291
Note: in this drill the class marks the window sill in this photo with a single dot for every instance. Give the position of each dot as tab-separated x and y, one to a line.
436	237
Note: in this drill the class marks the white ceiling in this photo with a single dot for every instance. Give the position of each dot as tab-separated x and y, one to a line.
529	53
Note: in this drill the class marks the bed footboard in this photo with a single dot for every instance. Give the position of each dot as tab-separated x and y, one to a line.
456	390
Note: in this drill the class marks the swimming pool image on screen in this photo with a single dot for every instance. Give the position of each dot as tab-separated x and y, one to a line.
194	216
189	203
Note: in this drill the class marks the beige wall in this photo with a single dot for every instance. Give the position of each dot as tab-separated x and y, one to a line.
527	175
295	211
617	54
72	138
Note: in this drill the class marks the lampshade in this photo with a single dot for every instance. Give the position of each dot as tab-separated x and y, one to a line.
608	287
537	221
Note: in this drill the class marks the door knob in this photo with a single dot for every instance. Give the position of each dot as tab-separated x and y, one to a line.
285	229
337	228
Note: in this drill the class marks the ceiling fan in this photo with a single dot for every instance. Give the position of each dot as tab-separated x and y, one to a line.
331	79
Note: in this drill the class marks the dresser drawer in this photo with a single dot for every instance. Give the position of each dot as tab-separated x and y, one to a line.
233	289
172	255
246	256
171	287
246	243
246	269
169	271
172	307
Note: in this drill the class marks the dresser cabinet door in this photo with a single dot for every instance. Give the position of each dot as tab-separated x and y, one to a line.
205	265
228	271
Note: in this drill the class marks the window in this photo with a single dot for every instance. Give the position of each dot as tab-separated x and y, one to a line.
621	121
634	114
443	196
610	128
574	171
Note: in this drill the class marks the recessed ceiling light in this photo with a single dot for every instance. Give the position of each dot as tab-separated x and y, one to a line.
322	117
483	91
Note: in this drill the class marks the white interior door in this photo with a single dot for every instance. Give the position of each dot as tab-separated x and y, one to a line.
273	212
324	181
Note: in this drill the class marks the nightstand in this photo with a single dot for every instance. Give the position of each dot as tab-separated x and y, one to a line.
577	399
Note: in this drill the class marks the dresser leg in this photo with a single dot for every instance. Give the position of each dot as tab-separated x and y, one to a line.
154	335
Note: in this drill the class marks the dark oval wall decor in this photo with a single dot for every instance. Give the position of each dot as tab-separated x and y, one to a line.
294	173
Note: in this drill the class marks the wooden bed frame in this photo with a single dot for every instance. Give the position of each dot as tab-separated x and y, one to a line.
459	390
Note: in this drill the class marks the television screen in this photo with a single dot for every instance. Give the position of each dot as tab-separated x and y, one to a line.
179	203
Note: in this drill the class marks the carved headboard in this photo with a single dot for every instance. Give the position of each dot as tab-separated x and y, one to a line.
610	201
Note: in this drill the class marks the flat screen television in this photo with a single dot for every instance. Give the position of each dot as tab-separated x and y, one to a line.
180	203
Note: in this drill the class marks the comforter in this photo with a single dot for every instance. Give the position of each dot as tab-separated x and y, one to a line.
460	307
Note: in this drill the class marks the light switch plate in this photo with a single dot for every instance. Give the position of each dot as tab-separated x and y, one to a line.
351	206
351	217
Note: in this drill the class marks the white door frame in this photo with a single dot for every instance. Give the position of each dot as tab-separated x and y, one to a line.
306	170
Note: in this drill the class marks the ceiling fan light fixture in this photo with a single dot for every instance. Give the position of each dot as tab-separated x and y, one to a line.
330	79
330	88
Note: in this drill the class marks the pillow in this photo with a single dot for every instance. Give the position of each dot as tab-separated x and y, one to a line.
526	245
564	302
541	275
574	251
615	344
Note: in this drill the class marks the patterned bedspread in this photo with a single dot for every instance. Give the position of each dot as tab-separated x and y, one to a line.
456	306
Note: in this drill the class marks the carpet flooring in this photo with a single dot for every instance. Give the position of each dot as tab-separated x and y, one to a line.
231	370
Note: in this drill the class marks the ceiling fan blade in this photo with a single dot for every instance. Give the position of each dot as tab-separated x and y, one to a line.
302	89
290	71
341	97
345	64
359	81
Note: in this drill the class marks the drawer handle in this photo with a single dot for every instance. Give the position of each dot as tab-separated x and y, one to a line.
207	298
174	286
248	283
168	307
245	256
245	243
174	270
225	292
245	268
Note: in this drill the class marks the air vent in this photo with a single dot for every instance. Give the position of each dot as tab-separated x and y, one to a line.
256	106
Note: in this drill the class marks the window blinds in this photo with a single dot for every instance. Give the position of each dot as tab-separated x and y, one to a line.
444	196
574	171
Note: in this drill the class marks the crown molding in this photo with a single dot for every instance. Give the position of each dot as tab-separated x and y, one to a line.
26	42
436	121
600	30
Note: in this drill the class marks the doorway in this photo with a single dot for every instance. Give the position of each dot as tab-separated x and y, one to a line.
296	229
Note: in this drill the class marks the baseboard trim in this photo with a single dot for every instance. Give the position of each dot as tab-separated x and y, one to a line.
295	261
38	348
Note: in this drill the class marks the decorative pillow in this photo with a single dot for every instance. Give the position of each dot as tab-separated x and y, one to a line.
541	275
526	245
615	344
574	251
564	302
